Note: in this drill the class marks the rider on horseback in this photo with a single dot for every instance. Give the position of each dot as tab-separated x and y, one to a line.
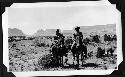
78	36
60	37
77	44
60	46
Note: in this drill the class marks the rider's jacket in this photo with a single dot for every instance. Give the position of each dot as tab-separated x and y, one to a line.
78	37
60	38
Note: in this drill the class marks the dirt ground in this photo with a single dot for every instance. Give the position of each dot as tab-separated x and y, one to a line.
24	56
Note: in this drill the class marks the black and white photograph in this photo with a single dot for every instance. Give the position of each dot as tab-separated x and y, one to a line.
64	38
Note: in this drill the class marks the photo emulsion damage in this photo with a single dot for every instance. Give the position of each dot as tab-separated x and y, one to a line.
62	38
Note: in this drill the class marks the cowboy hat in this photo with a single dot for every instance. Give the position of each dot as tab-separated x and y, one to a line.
77	28
57	30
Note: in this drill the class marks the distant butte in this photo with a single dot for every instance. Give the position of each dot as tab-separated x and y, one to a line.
52	32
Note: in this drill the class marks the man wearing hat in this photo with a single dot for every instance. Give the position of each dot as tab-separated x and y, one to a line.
60	37
78	37
60	44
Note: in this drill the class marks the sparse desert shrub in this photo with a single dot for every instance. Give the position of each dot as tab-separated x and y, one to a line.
96	39
37	42
40	42
22	53
100	52
45	61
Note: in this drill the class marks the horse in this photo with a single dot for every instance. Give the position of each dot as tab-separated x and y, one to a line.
58	51
78	50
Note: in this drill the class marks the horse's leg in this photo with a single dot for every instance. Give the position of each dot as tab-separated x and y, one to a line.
73	58
56	59
66	60
77	55
82	56
85	55
62	60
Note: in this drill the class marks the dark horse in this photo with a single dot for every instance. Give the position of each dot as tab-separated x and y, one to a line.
78	50
58	52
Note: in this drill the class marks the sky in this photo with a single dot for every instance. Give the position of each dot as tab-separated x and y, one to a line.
29	20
